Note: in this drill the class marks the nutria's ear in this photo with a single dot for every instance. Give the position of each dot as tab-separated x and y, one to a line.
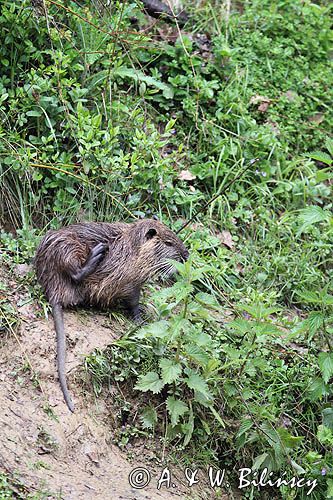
151	233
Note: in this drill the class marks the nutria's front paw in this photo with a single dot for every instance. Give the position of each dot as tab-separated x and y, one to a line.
97	254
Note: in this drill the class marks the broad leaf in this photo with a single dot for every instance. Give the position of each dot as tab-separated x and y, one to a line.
320	156
288	440
197	383
170	370
329	145
310	216
244	427
317	389
148	417
149	382
325	361
176	409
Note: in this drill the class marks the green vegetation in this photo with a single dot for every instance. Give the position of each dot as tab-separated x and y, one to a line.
102	121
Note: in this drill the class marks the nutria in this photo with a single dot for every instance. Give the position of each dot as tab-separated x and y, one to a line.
101	263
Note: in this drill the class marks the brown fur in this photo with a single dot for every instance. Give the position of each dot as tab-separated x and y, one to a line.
130	260
73	269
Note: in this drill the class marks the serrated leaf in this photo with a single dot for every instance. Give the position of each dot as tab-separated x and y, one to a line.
133	74
149	382
259	460
259	311
309	296
317	389
328	417
325	361
310	216
202	399
288	440
176	409
323	175
158	330
170	370
329	492
244	427
197	383
329	145
325	435
315	322
320	156
188	428
148	417
207	300
197	354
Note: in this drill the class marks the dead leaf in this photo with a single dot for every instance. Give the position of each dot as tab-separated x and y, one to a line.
255	99
316	118
192	189
186	175
291	95
226	239
262	100
263	107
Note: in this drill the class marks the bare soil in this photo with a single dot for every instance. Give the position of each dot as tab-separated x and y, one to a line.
42	444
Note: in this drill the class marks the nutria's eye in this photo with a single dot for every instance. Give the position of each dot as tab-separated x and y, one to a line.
151	233
168	243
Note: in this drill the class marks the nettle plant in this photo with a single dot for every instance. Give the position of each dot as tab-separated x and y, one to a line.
186	362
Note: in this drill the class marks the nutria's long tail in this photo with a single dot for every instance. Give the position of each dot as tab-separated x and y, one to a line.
58	317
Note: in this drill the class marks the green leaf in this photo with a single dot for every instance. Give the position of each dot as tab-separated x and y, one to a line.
316	297
34	112
244	427
170	370
148	417
315	322
136	75
329	145
317	389
197	354
310	216
149	382
320	156
176	409
325	361
328	417
197	383
329	492
188	428
298	468
207	300
259	460
325	435
217	416
288	440
158	330
259	311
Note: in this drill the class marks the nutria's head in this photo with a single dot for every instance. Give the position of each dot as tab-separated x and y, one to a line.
156	245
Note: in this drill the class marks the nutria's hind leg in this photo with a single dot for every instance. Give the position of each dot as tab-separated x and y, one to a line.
96	255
